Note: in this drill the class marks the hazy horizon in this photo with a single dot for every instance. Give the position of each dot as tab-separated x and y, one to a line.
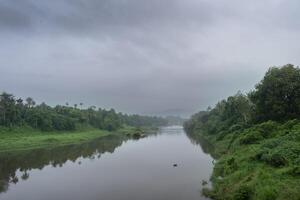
155	57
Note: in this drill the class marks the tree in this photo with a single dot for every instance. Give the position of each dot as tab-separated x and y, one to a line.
277	96
30	102
47	118
234	111
20	110
7	109
238	107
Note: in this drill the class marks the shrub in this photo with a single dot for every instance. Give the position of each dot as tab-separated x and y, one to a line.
267	128
244	192
290	124
267	192
230	166
235	127
277	160
294	171
272	144
272	157
297	161
208	192
221	135
251	138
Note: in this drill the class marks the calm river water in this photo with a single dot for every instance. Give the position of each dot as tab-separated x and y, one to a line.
109	169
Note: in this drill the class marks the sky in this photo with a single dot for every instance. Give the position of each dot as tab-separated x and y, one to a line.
154	57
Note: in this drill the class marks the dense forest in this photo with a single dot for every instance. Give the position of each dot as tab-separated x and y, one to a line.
255	139
17	112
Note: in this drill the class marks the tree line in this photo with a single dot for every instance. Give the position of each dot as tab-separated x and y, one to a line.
18	112
276	97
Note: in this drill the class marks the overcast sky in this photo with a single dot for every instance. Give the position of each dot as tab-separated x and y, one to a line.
143	56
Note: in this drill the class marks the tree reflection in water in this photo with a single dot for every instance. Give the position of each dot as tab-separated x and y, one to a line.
206	147
24	161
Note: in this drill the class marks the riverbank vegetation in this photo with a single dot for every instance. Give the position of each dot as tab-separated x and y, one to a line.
255	139
25	125
16	112
26	138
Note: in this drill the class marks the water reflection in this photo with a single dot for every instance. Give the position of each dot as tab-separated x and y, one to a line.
142	169
205	145
25	161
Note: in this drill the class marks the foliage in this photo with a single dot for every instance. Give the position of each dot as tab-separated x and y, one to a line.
14	112
234	112
143	121
277	96
269	166
256	139
244	192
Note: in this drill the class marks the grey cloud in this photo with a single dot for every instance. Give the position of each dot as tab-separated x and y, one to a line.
82	17
12	18
138	56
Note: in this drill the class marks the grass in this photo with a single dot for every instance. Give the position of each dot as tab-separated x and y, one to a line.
26	138
261	162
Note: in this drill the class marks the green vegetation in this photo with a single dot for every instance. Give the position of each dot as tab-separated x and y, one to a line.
26	138
13	112
255	139
28	126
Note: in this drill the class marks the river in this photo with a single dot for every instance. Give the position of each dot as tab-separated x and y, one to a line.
110	169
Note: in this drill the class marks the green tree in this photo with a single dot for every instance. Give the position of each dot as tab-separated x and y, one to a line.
7	109
30	102
47	118
277	96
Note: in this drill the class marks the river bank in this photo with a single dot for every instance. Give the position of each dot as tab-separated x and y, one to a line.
258	162
255	138
27	138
